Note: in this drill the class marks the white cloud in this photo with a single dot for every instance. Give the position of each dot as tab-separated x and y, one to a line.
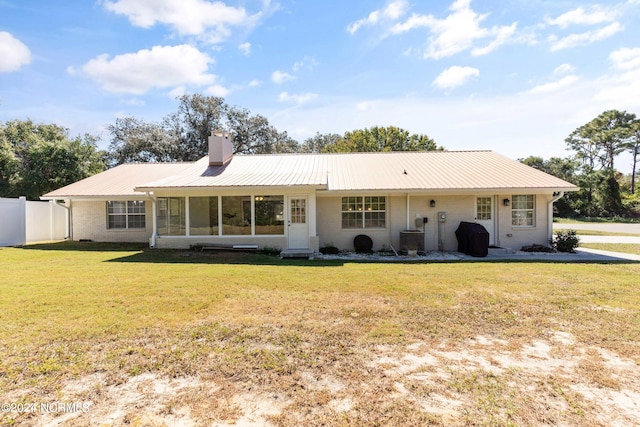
564	69
414	21
280	77
458	32
619	90
555	86
299	99
391	12
177	91
502	36
217	90
588	37
245	48
212	20
308	62
455	76
136	102
580	16
159	67
623	83
255	83
625	58
13	53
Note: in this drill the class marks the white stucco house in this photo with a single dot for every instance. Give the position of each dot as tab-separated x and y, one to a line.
302	202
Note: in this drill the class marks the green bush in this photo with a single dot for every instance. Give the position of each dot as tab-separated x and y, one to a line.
537	248
270	251
566	241
329	250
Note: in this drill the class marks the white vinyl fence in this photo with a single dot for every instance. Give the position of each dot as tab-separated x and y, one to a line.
23	221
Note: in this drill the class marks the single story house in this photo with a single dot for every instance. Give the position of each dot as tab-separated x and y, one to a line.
302	202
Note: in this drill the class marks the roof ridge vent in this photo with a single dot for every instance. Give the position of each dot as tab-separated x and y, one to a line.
220	148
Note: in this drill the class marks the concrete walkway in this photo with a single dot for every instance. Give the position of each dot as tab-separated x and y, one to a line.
610	239
609	254
581	255
605	227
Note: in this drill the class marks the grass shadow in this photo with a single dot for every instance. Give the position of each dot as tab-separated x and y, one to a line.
143	254
176	256
69	245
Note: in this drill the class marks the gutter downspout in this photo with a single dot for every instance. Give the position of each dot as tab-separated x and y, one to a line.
496	224
408	211
154	233
69	221
555	198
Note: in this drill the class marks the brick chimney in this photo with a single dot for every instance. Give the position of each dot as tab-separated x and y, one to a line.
220	149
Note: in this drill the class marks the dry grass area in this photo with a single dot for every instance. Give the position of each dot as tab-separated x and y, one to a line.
153	338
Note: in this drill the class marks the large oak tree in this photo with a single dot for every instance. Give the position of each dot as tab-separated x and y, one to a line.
37	158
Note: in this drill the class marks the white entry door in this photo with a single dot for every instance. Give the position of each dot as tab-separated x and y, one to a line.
485	215
298	225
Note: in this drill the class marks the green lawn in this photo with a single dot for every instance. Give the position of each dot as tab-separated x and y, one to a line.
256	324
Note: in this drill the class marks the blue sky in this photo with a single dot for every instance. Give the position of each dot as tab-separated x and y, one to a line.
515	76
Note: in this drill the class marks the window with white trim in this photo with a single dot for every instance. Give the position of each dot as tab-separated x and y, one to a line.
523	210
364	212
171	216
269	215
236	215
126	214
203	216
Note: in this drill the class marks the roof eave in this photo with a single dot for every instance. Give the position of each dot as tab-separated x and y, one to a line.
94	197
470	190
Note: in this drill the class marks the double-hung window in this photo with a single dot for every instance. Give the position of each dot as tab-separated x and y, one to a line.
364	212
522	210
126	214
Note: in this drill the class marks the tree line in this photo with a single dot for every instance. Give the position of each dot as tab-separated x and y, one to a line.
183	135
38	158
604	191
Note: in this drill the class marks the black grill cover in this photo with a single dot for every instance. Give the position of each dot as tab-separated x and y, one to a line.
473	239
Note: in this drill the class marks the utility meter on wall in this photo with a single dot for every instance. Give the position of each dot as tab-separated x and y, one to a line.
442	216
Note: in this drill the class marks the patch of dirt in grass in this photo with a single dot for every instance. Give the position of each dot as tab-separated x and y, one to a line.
545	382
552	380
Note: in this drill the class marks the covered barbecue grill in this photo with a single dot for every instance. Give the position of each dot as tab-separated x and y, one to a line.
473	239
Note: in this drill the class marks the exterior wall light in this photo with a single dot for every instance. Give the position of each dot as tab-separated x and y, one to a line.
506	202
432	203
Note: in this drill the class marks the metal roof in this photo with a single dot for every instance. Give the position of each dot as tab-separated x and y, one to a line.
250	171
392	171
118	181
437	170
